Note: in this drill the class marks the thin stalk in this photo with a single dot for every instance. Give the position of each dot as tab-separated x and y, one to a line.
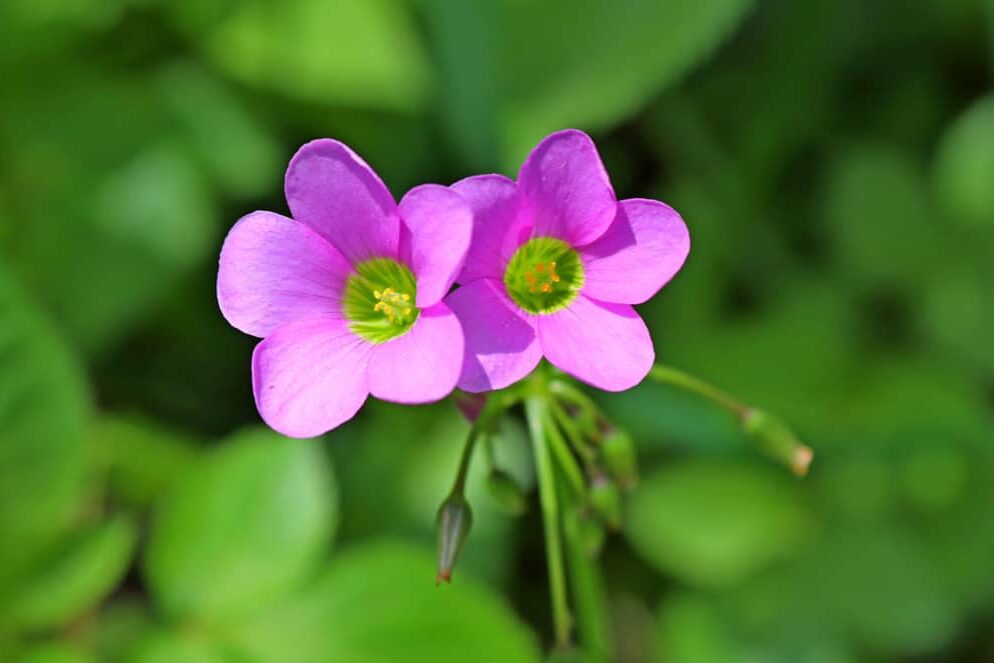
687	382
573	434
586	585
536	413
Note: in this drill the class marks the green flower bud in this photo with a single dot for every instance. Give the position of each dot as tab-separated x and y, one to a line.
618	451
777	440
452	527
605	498
506	493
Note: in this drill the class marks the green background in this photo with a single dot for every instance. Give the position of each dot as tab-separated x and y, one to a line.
834	160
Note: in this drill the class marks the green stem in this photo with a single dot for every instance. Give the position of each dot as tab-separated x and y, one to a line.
496	404
536	413
586	584
687	382
573	434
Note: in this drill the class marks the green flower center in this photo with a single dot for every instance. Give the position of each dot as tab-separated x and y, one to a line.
544	275
379	300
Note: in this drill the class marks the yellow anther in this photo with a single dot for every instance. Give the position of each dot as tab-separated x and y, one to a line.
546	287
377	294
407	311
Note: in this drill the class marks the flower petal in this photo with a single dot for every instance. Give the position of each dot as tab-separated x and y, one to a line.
497	224
566	189
274	271
642	250
331	190
501	344
440	224
422	365
605	345
310	377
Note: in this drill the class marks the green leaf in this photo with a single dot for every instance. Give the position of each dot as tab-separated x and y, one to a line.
592	63
350	52
879	219
236	149
243	526
74	576
964	166
43	406
715	524
171	648
141	458
53	653
378	602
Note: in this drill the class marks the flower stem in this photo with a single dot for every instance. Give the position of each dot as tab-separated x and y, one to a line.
687	382
771	434
585	582
536	412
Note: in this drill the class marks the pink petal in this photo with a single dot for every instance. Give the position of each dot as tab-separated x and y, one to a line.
497	224
440	224
605	345
501	343
566	189
274	271
642	250
422	365
331	190
310	377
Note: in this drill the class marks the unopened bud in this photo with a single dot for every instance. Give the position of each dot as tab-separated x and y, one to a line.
452	527
506	493
582	526
619	456
777	440
605	498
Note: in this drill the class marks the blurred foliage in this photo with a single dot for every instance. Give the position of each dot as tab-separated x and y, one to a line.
835	164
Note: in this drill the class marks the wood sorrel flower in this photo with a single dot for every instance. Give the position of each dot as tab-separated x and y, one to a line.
347	294
555	264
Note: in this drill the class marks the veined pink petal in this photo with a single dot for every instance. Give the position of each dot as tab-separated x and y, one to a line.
274	271
422	365
605	345
501	344
438	225
331	190
566	190
310	377
497	224
641	251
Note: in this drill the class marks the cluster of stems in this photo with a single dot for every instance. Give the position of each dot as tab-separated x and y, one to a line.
582	464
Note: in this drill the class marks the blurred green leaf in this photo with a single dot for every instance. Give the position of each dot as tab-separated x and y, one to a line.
245	525
158	202
591	63
351	52
53	653
715	524
74	576
964	166
879	219
692	630
166	647
141	458
236	149
118	629
378	602
43	406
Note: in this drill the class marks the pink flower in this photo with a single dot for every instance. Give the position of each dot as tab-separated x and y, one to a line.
347	295
555	264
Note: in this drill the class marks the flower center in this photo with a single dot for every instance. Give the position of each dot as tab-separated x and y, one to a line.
544	275
379	300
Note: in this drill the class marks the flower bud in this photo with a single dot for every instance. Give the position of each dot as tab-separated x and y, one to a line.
582	526
605	498
452	527
777	440
506	493
619	456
